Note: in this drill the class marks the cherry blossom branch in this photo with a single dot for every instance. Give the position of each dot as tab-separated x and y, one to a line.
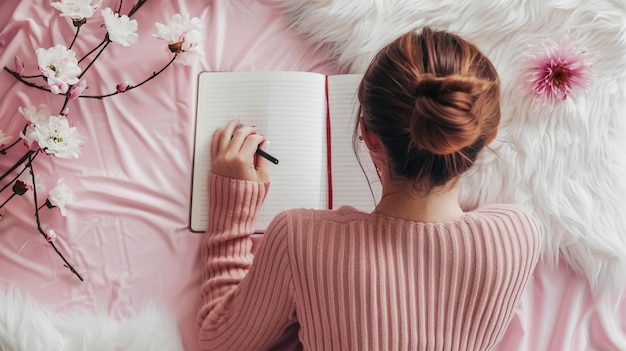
136	8
67	264
77	24
35	76
107	42
20	78
3	151
131	87
13	180
18	163
9	199
64	60
94	49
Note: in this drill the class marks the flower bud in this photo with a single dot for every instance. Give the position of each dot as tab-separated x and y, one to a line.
51	235
78	89
19	66
122	87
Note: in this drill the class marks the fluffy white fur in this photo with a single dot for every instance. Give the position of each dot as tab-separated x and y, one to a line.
566	165
27	326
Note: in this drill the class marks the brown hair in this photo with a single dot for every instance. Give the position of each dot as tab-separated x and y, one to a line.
433	100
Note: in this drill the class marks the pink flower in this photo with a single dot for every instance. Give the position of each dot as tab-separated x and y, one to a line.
78	89
558	70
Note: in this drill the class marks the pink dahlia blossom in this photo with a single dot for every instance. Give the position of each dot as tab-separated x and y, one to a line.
558	71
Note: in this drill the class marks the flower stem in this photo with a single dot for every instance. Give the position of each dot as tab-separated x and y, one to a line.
7	200
18	163
94	49
13	180
137	6
18	77
75	36
154	74
4	151
35	76
67	264
106	43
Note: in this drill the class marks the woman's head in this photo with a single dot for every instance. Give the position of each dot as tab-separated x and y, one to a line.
432	99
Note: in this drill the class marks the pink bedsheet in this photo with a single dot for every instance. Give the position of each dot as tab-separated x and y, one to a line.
127	233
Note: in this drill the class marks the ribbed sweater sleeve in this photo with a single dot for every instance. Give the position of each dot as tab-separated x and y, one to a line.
244	306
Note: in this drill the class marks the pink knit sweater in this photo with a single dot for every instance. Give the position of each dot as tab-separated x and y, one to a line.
359	281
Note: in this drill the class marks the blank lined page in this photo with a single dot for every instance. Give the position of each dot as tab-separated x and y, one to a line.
289	109
350	183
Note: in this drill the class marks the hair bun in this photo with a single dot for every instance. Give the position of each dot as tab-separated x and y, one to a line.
444	119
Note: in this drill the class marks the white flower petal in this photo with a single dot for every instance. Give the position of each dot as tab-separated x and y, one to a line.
55	137
60	67
185	32
61	196
121	29
34	114
77	9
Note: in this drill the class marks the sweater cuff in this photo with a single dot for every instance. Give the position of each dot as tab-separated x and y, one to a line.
234	204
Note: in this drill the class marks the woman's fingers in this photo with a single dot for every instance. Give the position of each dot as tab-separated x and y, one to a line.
233	152
226	137
239	138
215	142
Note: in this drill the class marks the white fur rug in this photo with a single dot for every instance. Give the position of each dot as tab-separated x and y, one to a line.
567	164
27	326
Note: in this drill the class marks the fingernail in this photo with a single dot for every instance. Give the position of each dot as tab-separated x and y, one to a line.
239	125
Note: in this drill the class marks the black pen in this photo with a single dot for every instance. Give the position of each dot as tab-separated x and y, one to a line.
266	156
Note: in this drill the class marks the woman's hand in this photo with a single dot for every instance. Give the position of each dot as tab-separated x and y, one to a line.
233	153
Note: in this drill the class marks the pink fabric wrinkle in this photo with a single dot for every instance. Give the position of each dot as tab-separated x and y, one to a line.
120	302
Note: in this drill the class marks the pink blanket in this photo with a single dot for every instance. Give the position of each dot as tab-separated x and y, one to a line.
127	232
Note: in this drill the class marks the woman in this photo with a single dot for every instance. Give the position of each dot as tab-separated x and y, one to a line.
416	273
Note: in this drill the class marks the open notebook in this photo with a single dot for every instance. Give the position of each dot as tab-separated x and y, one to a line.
308	118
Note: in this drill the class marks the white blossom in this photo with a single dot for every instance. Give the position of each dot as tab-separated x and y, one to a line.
183	35
55	137
4	139
77	9
34	114
61	195
121	29
59	66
